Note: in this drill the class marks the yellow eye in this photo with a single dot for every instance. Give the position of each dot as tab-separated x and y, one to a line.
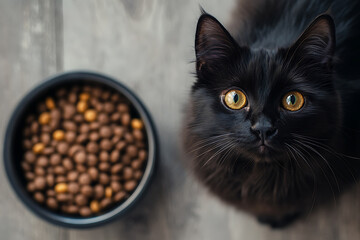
235	99
293	101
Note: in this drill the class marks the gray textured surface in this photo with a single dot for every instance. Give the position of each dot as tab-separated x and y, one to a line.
148	44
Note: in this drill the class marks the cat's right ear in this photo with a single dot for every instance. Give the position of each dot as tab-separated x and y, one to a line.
214	45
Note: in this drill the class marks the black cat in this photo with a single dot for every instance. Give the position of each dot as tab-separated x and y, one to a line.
272	123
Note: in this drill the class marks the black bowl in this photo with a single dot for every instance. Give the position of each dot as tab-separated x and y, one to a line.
13	150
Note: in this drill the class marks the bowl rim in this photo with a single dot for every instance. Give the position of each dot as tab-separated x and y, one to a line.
80	222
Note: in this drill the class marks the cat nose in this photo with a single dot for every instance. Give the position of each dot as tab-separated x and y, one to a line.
264	130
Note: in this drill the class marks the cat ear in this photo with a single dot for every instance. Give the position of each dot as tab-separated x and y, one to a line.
317	43
213	44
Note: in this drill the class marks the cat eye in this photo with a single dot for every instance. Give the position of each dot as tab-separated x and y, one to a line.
235	99
293	101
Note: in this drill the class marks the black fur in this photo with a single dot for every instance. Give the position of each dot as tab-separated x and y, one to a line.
313	156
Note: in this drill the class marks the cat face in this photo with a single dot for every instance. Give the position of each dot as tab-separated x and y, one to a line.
262	102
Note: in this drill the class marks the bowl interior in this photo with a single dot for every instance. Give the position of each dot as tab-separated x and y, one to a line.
13	151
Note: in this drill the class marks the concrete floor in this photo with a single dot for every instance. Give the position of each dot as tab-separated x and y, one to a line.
148	45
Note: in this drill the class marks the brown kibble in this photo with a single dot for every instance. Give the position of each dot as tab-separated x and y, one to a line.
58	135
26	132
142	155
74	149
125	119
68	164
50	170
115	97
104	178
38	148
45	138
138	135
62	147
123	108
39	197
62	197
103	119
105	95
126	159
30	157
116	168
105	203
80	157
42	161
31	187
61	187
84	179
90	115
94	136
119	196
46	129
29	176
52	203
91	160
78	118
54	124
73	187
50	180
93	173
130	185
40	182
136	164
81	168
104	156
105	132
39	171
108	192
82	138
92	147
120	145
115	140
60	179
55	114
138	174
109	107
115	186
94	206
59	170
61	92
99	191
87	190
137	124
94	126
72	98
129	138
99	107
44	118
50	104
27	144
131	151
105	144
72	176
115	117
119	131
35	139
50	193
70	126
84	128
72	209
34	127
128	173
69	111
48	151
70	136
85	211
55	159
104	166
115	178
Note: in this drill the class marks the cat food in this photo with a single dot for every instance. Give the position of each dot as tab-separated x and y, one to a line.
83	151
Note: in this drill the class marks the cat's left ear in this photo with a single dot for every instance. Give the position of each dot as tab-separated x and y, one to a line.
316	45
213	43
